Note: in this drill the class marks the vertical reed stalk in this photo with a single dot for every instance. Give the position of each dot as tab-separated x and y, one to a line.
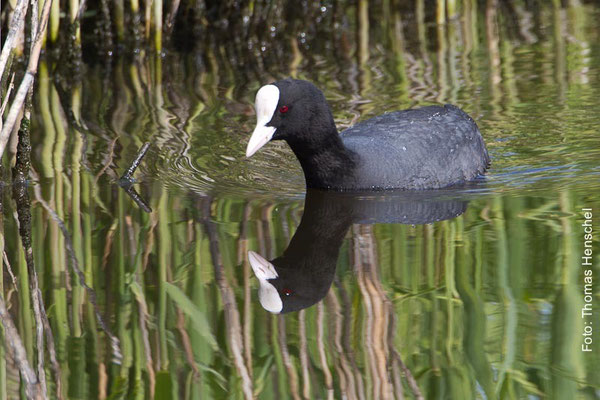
23	203
474	323
15	27
506	294
147	19
559	30
363	32
287	360
135	6
442	64
136	20
157	19
440	12
27	82
43	96
119	10
124	303
60	273
492	38
247	274
202	351
565	353
232	316
12	339
451	8
78	294
164	250
95	346
453	46
54	20
304	355
321	349
73	14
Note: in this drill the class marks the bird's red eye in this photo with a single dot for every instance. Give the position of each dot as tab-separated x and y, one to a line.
287	292
283	109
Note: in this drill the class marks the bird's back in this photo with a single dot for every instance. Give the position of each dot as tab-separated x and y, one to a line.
425	148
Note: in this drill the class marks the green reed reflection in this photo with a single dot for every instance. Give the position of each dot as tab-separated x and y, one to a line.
190	329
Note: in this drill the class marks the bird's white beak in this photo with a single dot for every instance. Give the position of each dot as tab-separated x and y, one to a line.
266	101
267	293
261	136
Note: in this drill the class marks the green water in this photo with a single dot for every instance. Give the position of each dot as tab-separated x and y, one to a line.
484	305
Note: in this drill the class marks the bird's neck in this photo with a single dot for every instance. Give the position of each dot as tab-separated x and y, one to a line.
325	160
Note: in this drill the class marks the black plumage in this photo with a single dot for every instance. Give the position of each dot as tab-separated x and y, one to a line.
424	148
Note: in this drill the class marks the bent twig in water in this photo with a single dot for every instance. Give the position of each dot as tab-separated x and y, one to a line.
126	181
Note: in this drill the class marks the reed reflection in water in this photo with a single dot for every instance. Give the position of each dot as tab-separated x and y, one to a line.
439	309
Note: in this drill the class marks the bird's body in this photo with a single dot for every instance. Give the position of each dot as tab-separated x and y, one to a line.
424	148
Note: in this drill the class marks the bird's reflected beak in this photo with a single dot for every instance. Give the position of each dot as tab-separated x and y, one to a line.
267	293
262	268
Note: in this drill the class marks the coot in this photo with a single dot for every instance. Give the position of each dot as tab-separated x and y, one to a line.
424	148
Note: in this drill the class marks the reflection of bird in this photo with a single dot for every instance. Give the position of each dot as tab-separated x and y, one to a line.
302	275
424	148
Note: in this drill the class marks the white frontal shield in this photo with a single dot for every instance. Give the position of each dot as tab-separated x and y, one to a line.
266	101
